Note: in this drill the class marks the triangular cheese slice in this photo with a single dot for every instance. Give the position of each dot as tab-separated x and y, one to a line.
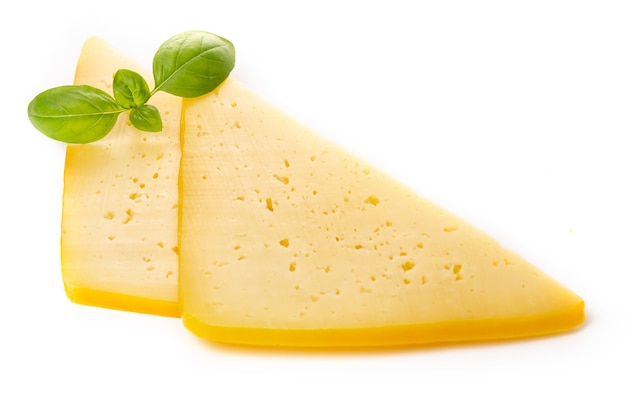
120	204
287	239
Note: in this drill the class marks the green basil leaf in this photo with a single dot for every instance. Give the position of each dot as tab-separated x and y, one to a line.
147	118
74	114
130	89
192	63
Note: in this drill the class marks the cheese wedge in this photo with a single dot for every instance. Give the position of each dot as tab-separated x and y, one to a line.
287	239
119	244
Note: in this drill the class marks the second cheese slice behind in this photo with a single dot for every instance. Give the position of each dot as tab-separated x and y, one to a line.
286	239
120	204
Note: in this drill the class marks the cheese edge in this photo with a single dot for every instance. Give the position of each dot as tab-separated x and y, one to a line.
123	302
449	332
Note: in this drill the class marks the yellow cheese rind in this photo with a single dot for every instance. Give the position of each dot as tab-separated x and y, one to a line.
119	242
120	301
398	335
287	239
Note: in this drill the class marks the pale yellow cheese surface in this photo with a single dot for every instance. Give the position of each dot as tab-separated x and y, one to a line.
119	242
287	239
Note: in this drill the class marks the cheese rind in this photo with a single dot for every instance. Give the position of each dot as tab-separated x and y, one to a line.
395	335
119	243
287	239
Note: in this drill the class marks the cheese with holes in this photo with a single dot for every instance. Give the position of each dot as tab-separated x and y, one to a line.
119	245
287	239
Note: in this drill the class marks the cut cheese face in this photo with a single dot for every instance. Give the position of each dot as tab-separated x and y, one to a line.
287	239
119	244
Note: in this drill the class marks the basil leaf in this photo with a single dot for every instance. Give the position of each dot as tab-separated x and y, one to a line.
147	118
130	89
74	114
192	63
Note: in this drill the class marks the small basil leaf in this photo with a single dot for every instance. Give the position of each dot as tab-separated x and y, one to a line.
147	118
74	114
192	63
130	89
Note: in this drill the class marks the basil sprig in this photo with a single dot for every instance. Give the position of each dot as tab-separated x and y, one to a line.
189	64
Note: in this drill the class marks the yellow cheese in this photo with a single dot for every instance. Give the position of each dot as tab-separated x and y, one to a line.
286	239
120	204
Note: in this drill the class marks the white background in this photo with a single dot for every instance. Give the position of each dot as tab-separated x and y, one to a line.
509	113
